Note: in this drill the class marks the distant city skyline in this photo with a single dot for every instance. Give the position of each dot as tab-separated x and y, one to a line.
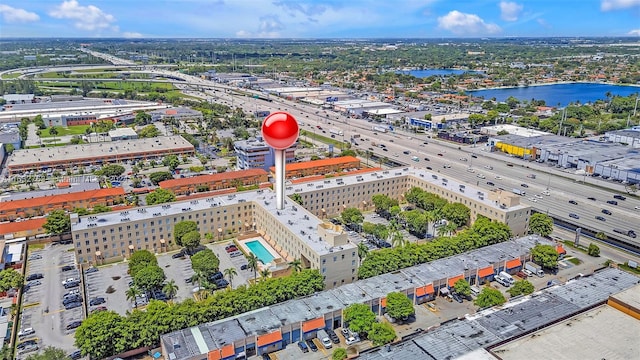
242	19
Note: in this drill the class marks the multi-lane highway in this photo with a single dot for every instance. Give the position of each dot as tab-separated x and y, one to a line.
470	164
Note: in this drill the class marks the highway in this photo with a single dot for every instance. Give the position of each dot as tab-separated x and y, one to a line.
563	186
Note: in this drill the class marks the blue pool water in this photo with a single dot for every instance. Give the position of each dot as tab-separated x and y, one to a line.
260	251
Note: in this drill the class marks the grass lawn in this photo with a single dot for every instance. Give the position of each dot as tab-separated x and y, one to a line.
11	75
574	261
324	139
62	131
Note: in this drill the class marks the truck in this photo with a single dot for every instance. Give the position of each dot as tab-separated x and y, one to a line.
534	269
324	338
336	131
629	233
262	113
381	129
519	192
505	278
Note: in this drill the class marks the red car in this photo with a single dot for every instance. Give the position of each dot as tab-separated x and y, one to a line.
522	274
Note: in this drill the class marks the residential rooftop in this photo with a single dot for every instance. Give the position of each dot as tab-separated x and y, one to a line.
317	163
204	179
114	149
71	197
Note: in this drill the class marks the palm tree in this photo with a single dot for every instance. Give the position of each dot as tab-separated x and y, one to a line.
442	230
430	217
296	265
230	273
451	227
397	240
363	251
264	273
252	263
132	294
170	289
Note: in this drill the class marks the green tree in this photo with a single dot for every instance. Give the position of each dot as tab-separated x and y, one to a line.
205	262
160	196
111	170
49	353
96	336
148	131
339	354
230	273
53	131
297	198
456	213
139	260
521	287
359	317
252	263
363	250
541	224
99	208
10	279
296	265
593	250
191	240
381	333
9	148
57	223
265	273
132	294
170	289
159	176
171	161
399	306
352	216
149	277
142	118
462	287
545	255
489	297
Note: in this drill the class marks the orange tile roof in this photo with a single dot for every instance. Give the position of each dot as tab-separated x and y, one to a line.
14	227
320	177
204	179
488	271
317	163
513	263
58	199
452	281
313	325
270	338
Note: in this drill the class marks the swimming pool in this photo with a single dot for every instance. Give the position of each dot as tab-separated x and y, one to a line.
259	251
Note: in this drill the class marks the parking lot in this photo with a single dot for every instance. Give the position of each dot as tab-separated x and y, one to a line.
243	276
42	302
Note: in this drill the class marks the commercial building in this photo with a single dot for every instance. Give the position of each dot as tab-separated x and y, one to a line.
39	206
9	134
579	154
272	328
521	328
64	157
225	180
439	122
177	113
526	147
626	169
256	154
319	167
120	134
495	130
630	136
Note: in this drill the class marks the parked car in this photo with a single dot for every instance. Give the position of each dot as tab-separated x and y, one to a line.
312	346
76	355
26	332
69	280
522	274
97	301
91	270
74	325
72	305
178	255
35	257
303	347
99	308
456	297
244	267
35	276
70	285
332	335
68	268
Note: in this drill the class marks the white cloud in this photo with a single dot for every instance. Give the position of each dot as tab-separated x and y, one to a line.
510	11
635	32
543	23
87	17
13	15
131	35
608	5
466	24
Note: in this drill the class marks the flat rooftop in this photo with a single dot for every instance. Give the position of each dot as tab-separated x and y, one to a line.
514	130
601	333
629	162
72	153
591	150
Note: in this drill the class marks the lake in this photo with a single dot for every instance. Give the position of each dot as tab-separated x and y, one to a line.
558	93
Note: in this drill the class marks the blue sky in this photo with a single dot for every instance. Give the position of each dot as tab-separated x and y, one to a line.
318	18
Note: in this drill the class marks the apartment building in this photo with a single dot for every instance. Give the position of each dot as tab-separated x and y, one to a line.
65	157
256	154
39	206
225	180
319	167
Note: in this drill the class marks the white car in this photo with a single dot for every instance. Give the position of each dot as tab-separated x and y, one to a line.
488	167
637	207
69	280
538	196
481	176
25	332
528	272
351	340
533	199
498	177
